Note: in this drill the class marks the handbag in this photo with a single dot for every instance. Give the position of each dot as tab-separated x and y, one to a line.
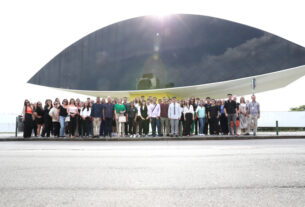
122	118
67	119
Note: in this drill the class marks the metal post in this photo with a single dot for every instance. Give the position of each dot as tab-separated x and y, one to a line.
16	130
253	85
277	128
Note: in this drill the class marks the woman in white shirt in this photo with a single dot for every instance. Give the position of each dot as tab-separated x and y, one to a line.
188	113
72	112
85	119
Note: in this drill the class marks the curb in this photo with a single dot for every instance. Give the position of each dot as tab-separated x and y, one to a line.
155	138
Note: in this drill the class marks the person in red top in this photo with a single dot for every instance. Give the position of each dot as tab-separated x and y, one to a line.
27	119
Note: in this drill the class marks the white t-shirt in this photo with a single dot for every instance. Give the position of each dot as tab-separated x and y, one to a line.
85	113
188	110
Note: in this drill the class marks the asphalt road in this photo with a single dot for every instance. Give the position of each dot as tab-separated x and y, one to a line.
175	173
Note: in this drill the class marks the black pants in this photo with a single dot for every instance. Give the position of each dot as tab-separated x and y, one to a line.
85	126
79	124
131	126
126	125
108	126
206	126
224	124
47	128
27	125
144	126
35	127
196	125
72	125
188	123
214	125
56	127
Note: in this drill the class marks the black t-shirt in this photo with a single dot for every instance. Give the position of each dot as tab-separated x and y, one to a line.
63	111
230	106
132	111
46	116
39	112
207	108
214	111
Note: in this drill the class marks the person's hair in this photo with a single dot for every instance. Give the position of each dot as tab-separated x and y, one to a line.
207	98
242	100
25	102
229	94
88	106
72	99
47	104
182	102
39	103
65	101
25	105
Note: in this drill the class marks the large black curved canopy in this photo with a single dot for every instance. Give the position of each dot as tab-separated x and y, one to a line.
178	50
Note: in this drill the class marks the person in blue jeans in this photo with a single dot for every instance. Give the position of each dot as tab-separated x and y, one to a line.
62	117
200	112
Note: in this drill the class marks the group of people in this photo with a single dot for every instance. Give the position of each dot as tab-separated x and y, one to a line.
140	117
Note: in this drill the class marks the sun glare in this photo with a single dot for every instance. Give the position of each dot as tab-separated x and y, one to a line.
161	14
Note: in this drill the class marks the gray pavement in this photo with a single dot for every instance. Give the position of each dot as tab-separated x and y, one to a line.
153	173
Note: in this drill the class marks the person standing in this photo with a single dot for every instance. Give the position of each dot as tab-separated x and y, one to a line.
182	120
154	114
127	105
27	119
132	114
213	115
39	117
231	113
144	119
254	114
188	112
85	114
54	113
164	121
194	128
97	115
119	110
174	114
237	115
200	112
243	116
223	119
138	119
72	111
207	126
108	116
62	117
47	120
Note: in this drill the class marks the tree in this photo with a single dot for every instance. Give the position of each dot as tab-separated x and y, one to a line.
300	108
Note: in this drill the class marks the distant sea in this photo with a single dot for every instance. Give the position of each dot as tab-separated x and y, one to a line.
7	122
